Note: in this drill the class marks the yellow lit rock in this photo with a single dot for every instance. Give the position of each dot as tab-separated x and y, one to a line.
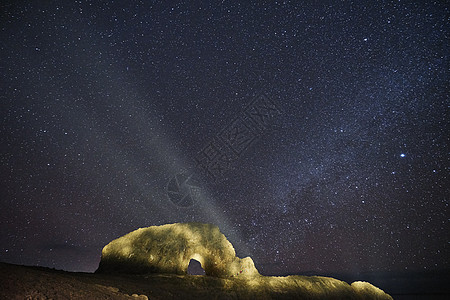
169	248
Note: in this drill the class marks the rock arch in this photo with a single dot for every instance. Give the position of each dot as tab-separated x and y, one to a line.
169	249
195	267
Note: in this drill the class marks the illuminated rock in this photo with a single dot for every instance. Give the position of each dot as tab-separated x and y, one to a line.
366	289
169	248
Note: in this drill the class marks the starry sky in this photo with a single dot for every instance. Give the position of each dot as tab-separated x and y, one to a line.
313	133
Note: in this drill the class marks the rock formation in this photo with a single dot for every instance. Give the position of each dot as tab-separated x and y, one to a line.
169	249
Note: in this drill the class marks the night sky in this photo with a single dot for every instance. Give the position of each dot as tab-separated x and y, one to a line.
314	134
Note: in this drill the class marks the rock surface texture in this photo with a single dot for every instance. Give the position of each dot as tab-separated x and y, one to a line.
169	249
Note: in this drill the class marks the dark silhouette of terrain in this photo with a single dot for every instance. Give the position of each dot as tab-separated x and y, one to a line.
159	262
21	282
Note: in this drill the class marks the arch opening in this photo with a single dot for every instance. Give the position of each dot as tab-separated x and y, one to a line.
195	268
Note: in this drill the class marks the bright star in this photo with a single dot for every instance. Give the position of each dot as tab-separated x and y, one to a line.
402	155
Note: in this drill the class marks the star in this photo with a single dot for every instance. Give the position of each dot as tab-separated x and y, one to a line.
98	119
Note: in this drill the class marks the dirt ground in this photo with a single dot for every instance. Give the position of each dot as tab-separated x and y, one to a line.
20	282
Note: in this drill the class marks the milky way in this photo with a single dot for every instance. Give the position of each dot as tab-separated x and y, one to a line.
315	135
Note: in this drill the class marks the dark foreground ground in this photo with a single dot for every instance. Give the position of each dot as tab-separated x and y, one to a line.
20	282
